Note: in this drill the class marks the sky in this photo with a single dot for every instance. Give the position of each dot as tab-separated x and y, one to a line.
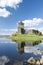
30	12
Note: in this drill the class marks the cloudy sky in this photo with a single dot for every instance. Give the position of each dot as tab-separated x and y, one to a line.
28	11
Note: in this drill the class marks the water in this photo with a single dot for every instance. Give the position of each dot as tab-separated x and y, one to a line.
12	52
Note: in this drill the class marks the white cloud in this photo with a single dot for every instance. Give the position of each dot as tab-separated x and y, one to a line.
10	3
33	22
7	31
3	60
4	12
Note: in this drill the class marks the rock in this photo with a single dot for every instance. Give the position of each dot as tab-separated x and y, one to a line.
31	61
38	63
41	60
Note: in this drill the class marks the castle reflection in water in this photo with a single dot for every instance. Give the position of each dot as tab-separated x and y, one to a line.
22	45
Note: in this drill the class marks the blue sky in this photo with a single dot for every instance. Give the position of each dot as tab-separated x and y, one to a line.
28	11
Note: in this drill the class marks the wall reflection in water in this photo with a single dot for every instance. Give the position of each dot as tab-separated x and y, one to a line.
23	44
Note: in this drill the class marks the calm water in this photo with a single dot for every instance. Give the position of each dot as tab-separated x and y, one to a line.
10	52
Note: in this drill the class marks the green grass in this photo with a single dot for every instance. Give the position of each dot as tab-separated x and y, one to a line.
26	37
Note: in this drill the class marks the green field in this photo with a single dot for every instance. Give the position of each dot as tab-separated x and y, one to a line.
26	37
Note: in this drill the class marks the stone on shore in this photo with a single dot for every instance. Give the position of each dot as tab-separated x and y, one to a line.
41	60
38	63
31	61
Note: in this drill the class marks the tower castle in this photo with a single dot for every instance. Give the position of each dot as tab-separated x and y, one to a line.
21	28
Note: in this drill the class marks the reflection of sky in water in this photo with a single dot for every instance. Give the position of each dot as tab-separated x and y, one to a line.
40	46
31	49
5	40
36	50
3	60
11	50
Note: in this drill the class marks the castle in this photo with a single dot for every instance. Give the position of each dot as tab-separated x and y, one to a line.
21	29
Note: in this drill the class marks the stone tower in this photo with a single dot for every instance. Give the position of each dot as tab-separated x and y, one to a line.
21	28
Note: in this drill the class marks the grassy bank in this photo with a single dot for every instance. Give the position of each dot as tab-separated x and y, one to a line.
26	37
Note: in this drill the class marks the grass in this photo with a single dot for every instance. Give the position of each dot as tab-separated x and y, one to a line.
26	37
